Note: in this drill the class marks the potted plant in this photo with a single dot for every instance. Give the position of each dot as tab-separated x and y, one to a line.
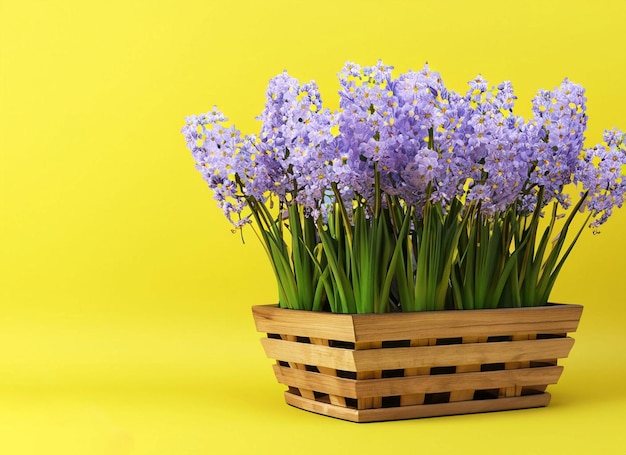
386	219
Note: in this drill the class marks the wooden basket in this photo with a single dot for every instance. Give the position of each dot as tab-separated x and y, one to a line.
375	367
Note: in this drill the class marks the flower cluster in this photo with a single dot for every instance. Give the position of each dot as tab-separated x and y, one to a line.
410	183
557	135
220	155
427	143
295	142
601	173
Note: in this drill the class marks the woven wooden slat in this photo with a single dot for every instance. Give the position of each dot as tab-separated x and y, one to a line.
409	326
415	357
346	366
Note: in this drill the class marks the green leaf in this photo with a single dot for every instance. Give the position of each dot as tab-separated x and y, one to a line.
285	274
343	285
396	257
301	264
509	266
551	269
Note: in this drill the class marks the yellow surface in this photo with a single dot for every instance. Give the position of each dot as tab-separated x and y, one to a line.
125	325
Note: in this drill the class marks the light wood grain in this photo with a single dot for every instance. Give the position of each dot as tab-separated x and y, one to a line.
419	411
423	349
467	393
409	399
309	354
351	388
337	400
373	401
455	323
271	319
415	357
460	354
305	392
516	391
427	324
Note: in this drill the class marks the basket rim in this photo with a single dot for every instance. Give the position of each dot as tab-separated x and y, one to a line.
552	318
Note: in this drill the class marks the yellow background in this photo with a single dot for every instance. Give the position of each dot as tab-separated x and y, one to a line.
125	323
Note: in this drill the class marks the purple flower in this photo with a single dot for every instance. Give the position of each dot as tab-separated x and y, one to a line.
485	146
601	172
220	154
296	143
368	133
420	140
556	137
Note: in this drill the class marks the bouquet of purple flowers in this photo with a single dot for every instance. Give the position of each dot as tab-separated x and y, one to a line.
411	196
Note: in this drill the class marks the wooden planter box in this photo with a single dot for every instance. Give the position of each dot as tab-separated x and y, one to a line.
374	367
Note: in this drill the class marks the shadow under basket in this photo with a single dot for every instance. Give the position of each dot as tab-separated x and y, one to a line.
376	367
